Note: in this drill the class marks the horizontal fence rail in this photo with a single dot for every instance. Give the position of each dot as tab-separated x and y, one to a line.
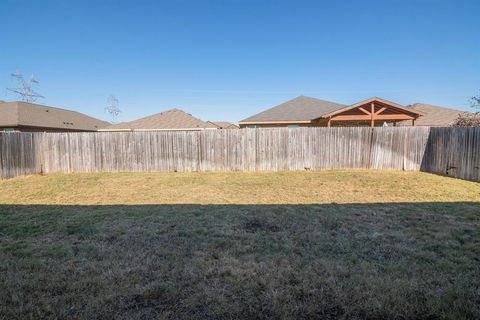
266	149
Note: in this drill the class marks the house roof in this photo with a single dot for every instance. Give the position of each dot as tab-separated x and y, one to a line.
173	119
434	116
299	109
18	113
223	124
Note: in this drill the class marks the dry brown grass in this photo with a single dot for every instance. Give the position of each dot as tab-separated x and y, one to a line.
237	188
327	245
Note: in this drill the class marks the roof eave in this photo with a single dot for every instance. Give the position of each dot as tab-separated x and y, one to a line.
275	122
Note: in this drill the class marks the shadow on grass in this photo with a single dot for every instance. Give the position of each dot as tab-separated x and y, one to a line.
385	260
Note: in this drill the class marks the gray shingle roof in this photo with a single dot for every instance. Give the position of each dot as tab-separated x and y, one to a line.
173	119
17	113
301	108
433	116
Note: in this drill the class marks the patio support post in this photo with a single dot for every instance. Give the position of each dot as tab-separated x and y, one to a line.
372	113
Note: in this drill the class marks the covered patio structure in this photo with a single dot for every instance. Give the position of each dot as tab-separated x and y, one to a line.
311	112
372	112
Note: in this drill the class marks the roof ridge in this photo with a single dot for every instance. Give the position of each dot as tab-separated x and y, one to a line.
43	105
317	99
173	117
163	112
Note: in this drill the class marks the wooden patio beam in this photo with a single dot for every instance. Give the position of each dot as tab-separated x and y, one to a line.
393	117
368	117
363	110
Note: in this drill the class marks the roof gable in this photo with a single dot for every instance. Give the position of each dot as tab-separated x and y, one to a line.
300	109
175	119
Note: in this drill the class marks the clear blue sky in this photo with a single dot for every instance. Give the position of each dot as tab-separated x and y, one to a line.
226	60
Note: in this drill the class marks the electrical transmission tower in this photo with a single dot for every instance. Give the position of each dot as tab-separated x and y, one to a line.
112	108
25	88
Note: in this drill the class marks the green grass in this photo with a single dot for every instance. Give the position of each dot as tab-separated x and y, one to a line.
329	245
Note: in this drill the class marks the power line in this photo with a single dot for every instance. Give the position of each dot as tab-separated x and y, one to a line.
25	88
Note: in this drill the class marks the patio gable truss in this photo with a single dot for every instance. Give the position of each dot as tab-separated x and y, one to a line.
373	111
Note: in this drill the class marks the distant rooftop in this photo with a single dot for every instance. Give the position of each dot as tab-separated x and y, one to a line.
173	119
25	114
224	124
434	116
301	108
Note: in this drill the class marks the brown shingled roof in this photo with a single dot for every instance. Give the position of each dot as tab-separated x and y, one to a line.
433	116
18	113
223	124
173	119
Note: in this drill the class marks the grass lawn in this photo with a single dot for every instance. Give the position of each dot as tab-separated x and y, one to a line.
328	245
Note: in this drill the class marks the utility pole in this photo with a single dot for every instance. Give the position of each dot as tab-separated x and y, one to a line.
25	88
112	108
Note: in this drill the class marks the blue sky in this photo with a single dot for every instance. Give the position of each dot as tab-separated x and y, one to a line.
226	60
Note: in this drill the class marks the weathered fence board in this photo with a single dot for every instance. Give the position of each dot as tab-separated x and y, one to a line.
454	152
441	150
19	155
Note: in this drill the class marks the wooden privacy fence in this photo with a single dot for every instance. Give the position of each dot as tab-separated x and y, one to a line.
454	152
268	149
234	150
19	154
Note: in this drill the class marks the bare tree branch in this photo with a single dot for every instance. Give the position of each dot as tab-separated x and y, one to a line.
470	119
